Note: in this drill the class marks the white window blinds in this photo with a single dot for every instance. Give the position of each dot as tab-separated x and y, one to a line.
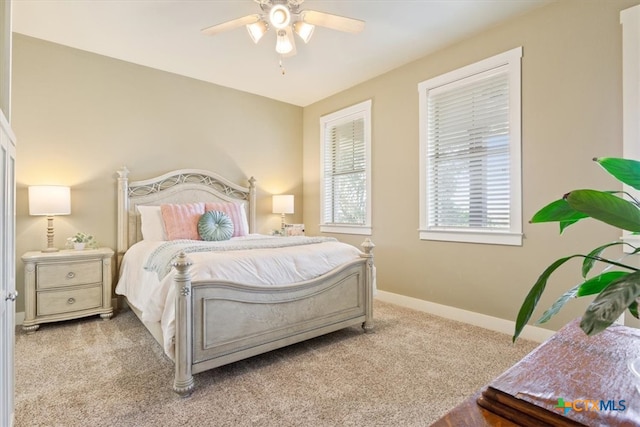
345	173
345	170
468	153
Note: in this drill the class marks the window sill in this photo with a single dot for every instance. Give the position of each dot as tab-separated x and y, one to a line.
483	237
346	229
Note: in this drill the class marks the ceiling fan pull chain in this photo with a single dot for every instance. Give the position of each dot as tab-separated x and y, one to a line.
282	70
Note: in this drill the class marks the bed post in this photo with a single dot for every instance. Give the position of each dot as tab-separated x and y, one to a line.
368	246
252	205
123	212
183	382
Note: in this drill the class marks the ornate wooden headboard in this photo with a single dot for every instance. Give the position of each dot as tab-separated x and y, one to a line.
179	186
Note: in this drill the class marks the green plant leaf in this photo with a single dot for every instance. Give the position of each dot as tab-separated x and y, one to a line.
558	211
598	283
589	287
531	300
610	304
594	256
624	170
558	304
606	207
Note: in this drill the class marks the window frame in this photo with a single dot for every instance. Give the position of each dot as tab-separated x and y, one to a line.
360	110
512	60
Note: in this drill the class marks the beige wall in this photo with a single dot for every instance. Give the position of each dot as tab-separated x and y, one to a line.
79	117
571	112
5	59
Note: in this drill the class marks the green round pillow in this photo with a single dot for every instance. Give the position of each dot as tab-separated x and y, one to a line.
214	226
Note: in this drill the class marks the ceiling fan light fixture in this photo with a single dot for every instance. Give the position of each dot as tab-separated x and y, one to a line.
283	44
257	30
304	30
279	16
286	18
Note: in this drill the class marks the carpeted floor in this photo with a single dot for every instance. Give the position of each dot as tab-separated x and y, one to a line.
412	370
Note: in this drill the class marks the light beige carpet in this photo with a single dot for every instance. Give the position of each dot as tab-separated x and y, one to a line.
412	370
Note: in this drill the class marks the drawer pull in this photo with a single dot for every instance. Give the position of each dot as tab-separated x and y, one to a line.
71	275
71	301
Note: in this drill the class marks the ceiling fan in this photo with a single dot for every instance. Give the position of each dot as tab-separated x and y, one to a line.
286	18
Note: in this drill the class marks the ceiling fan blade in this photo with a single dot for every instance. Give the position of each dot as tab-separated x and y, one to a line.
335	22
231	25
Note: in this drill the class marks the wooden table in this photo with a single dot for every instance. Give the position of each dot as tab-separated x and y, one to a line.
588	376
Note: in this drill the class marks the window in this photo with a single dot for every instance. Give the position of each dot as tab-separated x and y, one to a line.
345	140
470	173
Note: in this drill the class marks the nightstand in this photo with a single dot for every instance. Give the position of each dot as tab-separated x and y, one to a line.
66	285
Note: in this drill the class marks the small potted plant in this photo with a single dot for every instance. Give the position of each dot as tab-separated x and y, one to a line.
81	241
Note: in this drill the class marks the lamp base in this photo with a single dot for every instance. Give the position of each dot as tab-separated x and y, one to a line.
50	247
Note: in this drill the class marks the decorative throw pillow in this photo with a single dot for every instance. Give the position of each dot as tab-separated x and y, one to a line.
152	226
214	226
181	220
236	212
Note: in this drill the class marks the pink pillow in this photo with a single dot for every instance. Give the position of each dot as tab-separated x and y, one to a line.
181	220
236	212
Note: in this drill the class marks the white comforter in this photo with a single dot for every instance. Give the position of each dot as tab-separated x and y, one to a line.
154	297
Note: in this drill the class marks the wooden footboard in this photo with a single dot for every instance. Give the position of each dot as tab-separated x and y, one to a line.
223	322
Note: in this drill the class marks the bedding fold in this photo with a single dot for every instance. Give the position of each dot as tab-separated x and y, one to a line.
161	258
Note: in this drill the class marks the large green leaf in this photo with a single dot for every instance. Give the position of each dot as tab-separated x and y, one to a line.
558	304
596	284
611	303
624	170
558	211
606	207
531	300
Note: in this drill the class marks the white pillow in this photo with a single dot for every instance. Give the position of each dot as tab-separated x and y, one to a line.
152	224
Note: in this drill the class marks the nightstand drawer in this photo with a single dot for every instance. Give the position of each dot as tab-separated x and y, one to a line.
67	274
65	301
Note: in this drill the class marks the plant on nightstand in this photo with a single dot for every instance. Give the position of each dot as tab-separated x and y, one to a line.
81	241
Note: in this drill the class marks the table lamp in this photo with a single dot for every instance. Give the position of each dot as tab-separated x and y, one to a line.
282	204
49	200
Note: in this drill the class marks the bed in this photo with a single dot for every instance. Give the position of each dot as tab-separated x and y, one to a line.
202	311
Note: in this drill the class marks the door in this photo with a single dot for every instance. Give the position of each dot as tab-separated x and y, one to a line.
7	270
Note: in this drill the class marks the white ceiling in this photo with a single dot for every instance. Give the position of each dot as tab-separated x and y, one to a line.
165	34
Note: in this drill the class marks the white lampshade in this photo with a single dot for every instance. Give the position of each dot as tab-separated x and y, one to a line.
283	204
304	30
49	200
283	43
257	30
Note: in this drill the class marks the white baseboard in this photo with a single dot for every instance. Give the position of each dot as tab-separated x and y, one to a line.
532	333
